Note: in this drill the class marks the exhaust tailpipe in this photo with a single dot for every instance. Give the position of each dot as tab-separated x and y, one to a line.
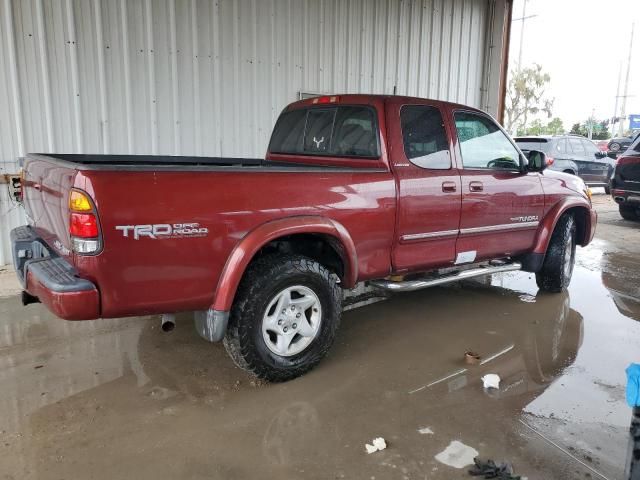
168	322
619	199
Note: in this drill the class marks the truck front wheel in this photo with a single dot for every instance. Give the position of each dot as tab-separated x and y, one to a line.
557	268
284	318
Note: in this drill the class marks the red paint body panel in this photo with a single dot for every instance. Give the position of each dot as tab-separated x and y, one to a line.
387	215
164	275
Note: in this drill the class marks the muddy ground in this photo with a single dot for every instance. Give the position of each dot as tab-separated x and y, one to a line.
119	399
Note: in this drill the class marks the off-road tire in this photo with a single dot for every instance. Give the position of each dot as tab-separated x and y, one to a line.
555	276
629	212
264	278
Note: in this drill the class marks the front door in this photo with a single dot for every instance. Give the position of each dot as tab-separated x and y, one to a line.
501	206
428	183
599	168
584	163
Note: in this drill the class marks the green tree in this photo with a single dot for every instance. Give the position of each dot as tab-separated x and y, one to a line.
577	129
536	127
554	127
526	96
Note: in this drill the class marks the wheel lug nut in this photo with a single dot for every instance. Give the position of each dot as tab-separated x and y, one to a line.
293	308
280	322
295	325
285	329
297	315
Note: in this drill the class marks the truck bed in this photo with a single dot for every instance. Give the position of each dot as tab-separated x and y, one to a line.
160	162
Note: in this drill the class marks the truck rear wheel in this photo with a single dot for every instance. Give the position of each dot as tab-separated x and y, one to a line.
557	268
285	317
629	212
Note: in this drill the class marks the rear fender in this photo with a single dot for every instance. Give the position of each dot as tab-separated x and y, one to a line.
548	224
257	238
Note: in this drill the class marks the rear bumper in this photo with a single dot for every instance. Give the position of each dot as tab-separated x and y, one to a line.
46	275
625	196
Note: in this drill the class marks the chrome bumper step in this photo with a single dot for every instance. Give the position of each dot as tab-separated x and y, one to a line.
420	283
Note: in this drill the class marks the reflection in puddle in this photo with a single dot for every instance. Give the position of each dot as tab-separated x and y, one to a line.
121	390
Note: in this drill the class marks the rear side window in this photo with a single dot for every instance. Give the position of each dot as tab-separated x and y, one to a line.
336	131
424	137
561	146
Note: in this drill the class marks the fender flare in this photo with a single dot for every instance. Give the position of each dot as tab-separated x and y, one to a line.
548	224
254	240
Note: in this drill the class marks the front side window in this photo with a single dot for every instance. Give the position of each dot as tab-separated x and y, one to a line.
576	147
349	131
590	148
483	145
424	137
561	146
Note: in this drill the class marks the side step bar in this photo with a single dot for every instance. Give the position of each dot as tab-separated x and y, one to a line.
418	284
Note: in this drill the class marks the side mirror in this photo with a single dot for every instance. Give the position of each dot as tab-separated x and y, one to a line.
537	161
600	154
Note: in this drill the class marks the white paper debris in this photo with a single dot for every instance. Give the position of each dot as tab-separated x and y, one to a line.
425	431
378	444
457	455
491	380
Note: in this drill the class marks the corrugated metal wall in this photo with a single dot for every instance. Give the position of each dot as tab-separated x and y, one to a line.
209	77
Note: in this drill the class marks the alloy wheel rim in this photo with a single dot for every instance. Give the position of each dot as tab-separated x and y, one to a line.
291	320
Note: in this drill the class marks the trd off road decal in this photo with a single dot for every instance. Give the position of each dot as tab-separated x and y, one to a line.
163	230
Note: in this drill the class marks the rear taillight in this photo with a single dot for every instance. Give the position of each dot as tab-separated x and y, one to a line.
84	228
549	161
83	225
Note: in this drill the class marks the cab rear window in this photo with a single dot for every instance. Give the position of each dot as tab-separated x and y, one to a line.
345	131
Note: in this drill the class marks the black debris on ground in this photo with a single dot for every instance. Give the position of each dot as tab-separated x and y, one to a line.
489	469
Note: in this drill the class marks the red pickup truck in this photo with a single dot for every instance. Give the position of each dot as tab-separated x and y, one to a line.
402	193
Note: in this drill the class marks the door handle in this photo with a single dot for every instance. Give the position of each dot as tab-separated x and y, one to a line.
37	186
476	187
449	187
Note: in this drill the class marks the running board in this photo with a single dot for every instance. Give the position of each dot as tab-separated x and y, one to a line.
418	284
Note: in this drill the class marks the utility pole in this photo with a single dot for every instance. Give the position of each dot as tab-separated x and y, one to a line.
591	121
623	108
522	19
524	14
615	109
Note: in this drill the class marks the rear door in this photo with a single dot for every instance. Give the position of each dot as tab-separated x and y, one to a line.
501	205
428	183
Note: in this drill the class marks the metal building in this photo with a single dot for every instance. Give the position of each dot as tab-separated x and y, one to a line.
209	77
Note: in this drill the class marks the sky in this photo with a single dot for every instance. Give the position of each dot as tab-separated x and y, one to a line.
581	44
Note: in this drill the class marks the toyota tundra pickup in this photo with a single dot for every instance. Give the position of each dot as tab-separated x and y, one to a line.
401	193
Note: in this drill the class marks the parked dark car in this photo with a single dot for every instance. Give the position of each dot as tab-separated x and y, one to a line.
625	182
573	154
620	144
